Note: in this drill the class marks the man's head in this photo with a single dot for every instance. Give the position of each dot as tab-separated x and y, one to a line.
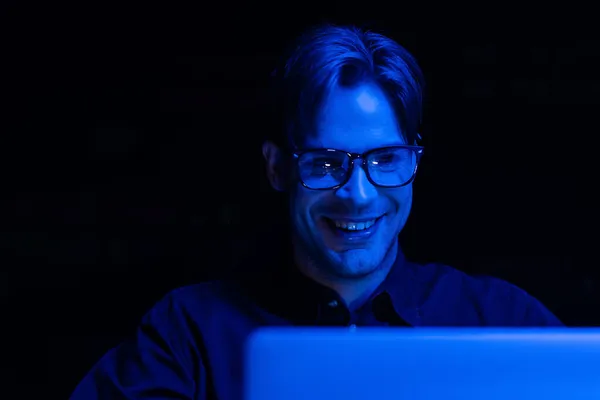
358	93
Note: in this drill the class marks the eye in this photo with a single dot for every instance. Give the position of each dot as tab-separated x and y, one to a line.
386	161
326	166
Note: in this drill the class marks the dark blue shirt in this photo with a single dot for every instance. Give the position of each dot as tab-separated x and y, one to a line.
190	345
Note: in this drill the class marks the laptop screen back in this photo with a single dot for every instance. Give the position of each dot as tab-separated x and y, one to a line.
371	363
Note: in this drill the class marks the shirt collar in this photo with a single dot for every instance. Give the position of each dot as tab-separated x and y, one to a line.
291	294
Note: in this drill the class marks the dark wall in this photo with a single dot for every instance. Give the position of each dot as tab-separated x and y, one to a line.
131	161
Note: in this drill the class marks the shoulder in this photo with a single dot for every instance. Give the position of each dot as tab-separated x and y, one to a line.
490	300
202	301
204	292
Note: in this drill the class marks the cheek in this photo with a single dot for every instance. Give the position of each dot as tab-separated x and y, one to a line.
305	202
402	199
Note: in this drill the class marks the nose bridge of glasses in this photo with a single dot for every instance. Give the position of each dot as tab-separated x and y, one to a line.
357	157
358	178
356	160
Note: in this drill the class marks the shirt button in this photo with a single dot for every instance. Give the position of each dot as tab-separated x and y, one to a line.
333	304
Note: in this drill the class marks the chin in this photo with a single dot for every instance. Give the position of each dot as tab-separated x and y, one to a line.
356	263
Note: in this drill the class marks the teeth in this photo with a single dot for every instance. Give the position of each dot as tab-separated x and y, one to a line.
354	226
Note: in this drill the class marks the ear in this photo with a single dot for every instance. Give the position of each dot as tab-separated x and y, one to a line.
275	165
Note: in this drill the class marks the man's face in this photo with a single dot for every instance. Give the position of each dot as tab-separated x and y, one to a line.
356	120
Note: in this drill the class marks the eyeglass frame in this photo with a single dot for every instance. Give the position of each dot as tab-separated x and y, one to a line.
418	150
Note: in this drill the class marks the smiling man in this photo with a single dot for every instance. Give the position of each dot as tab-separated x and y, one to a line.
351	189
348	106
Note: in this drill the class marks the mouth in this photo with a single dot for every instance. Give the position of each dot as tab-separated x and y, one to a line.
353	229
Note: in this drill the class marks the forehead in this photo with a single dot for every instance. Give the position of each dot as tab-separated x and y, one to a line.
355	119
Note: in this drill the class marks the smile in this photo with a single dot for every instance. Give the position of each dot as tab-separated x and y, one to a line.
353	230
354	225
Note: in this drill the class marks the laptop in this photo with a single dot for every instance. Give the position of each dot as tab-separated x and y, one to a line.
422	363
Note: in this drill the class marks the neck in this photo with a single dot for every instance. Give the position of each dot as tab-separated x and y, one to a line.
355	291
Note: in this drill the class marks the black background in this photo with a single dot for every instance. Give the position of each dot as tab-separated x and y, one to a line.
131	157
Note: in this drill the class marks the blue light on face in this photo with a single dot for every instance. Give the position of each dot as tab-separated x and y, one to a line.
366	102
353	119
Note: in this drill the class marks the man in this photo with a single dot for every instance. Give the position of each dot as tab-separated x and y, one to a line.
350	106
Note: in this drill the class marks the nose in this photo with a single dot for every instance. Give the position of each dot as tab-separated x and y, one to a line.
358	190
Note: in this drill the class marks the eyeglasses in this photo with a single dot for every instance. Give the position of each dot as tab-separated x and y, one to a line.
387	167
